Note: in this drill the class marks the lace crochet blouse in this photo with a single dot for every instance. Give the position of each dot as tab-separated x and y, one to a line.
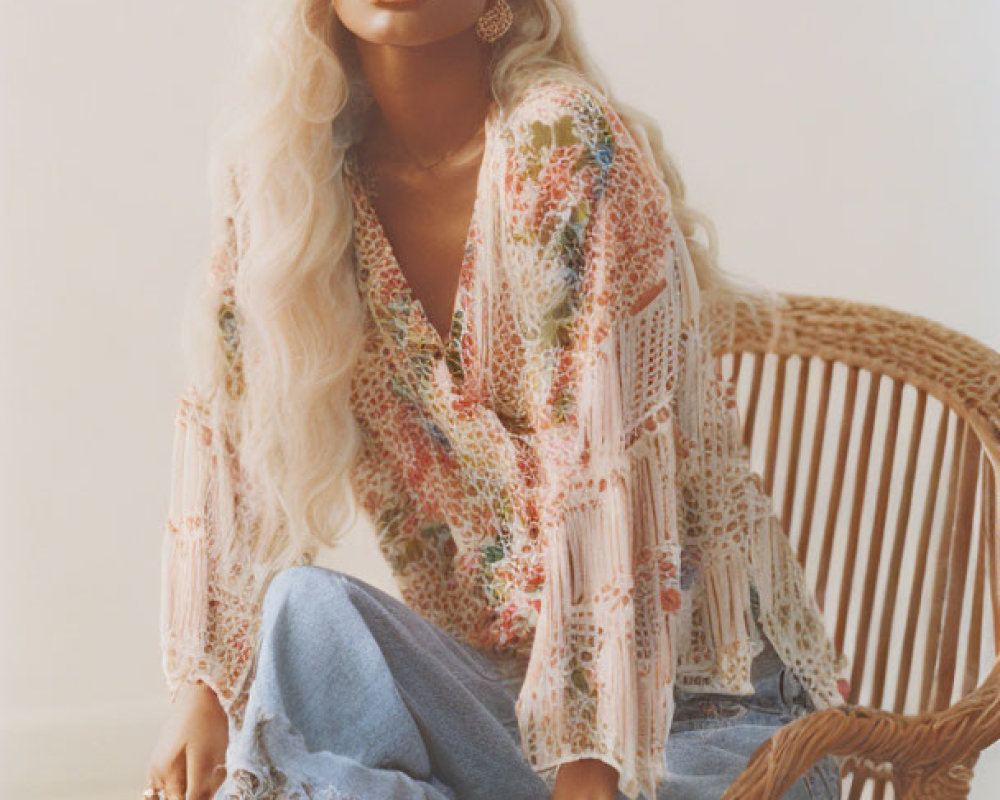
566	486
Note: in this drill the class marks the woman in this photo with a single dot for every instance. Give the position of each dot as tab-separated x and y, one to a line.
456	281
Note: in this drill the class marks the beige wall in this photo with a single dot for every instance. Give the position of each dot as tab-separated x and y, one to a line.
843	148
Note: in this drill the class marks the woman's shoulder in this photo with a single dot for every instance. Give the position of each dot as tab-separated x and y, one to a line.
572	122
551	94
561	109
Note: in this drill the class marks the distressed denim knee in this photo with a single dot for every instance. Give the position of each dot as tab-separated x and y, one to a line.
293	598
303	582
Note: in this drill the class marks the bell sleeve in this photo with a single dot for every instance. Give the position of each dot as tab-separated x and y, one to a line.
640	459
211	587
595	216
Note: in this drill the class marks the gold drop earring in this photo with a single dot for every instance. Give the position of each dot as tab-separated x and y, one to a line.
496	22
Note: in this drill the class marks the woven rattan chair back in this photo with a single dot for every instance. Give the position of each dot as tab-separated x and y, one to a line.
877	434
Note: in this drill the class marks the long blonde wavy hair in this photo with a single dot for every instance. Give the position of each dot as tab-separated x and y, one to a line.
283	213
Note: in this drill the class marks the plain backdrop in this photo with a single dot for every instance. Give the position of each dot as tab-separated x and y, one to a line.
843	148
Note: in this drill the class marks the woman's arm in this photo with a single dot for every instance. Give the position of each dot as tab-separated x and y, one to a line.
599	686
211	584
586	779
207	613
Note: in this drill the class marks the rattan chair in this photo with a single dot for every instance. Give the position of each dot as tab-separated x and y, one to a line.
877	434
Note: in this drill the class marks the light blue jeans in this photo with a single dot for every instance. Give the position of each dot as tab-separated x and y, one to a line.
358	697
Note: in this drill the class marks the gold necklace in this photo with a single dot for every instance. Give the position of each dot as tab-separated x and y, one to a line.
413	160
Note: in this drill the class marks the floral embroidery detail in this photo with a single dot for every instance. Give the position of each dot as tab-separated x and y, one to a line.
453	356
231	349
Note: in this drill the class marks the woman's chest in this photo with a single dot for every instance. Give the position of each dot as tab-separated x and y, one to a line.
485	362
401	374
430	235
468	403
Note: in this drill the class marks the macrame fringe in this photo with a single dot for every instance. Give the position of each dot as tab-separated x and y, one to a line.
730	620
185	577
613	562
197	551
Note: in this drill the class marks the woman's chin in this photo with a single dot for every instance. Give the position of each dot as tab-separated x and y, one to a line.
406	23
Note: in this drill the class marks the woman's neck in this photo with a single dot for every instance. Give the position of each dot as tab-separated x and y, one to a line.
429	98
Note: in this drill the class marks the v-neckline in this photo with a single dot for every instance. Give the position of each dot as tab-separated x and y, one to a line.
387	259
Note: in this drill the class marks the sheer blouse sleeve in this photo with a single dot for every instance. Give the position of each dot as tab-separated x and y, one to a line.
211	588
641	460
595	216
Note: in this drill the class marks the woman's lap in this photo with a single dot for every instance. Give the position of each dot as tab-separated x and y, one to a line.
703	762
357	696
712	737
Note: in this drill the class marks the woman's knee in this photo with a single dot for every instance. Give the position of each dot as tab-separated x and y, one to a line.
303	583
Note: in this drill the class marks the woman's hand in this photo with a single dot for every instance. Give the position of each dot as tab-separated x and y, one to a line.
188	762
586	779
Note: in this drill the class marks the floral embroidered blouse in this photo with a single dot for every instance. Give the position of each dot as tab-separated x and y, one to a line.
562	484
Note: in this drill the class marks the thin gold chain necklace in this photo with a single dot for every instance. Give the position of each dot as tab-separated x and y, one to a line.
400	148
